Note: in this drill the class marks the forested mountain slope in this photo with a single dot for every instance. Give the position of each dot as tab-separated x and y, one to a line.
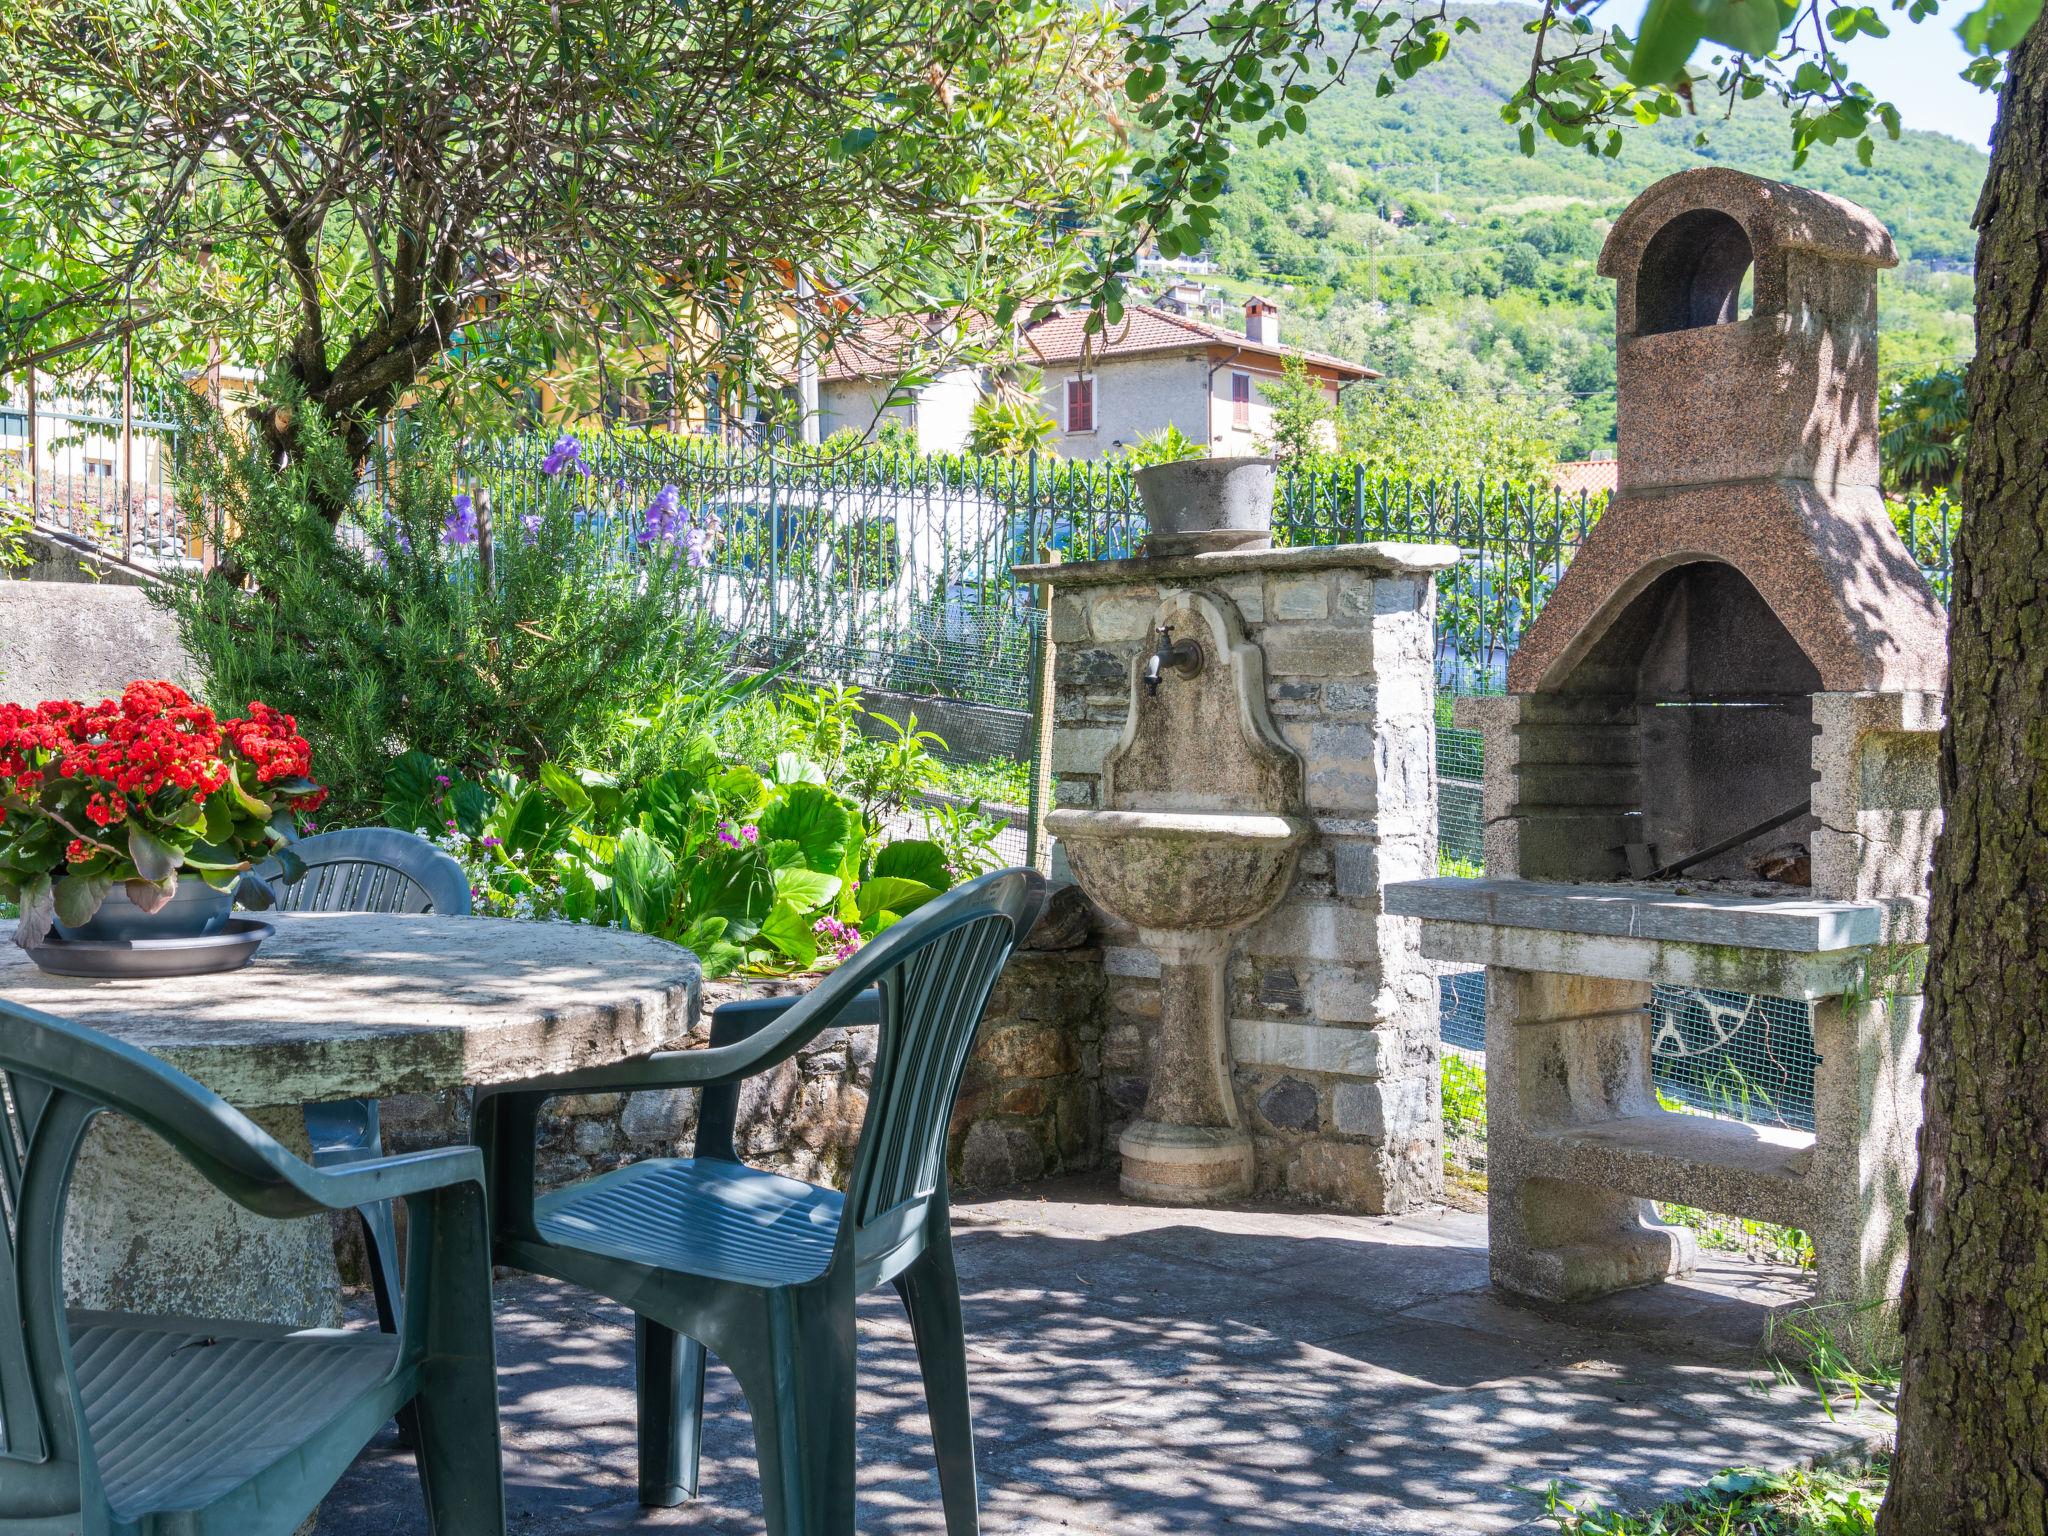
1410	232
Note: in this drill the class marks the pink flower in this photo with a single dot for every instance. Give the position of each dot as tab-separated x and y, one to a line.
842	939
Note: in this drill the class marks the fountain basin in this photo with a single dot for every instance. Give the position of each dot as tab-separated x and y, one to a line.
1177	870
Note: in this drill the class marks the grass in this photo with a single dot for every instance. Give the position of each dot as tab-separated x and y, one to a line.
1808	1501
1765	1241
1464	1095
995	781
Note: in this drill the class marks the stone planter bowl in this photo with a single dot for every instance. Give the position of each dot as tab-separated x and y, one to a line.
1199	506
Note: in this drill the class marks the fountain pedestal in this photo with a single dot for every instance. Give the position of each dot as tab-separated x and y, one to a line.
1188	1148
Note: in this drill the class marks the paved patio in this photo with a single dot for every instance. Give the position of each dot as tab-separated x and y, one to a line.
1143	1371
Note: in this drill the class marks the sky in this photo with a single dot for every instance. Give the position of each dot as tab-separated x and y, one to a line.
1917	67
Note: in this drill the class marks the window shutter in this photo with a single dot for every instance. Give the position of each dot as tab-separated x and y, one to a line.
1080	405
1241	400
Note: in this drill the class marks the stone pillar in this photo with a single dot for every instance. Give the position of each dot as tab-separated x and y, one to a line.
1563	1051
1866	1109
143	1232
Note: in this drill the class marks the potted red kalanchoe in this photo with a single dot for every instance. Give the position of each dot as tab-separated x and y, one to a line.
136	817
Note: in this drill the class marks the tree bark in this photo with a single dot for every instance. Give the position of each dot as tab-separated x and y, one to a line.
1972	1454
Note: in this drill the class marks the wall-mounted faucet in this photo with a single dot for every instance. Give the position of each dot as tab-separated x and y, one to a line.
1182	657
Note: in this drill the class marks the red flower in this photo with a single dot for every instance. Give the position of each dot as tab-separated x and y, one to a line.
76	852
101	810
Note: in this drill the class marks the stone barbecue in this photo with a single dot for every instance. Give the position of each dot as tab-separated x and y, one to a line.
1714	766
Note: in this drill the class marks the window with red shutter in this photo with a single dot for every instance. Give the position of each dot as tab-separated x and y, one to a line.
1241	401
1080	405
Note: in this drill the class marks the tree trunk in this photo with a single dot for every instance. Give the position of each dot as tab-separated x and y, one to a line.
1973	1419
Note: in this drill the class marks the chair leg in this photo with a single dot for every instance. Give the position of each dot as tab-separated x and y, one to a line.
930	1289
380	1236
668	1372
456	1411
797	1371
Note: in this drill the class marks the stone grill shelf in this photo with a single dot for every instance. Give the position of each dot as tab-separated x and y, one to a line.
1795	923
1657	1155
1793	946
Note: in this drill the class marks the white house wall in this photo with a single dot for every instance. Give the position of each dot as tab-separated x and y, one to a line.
1224	436
1134	397
857	403
942	415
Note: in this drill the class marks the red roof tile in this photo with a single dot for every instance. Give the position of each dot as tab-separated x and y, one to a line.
880	348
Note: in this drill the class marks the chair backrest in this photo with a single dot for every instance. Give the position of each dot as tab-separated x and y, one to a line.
54	1077
935	971
371	869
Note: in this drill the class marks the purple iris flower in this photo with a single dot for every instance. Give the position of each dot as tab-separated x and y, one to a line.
460	528
566	455
530	522
663	519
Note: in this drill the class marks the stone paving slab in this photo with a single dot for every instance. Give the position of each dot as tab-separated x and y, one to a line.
1142	1371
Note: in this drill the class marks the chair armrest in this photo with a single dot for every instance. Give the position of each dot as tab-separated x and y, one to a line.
748	1014
790	1023
394	1178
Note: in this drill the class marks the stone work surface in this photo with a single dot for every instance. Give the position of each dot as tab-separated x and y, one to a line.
1028	1105
1333	1028
1153	1372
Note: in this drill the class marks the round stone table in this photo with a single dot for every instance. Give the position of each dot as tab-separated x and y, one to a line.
335	1006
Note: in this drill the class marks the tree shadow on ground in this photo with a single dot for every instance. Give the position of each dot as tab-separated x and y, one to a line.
1143	1372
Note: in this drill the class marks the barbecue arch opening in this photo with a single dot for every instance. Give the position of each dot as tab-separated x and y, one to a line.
1693	274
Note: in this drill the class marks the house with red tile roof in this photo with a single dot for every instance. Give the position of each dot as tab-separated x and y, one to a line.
1151	370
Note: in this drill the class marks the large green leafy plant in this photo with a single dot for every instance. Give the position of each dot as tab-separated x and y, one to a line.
782	866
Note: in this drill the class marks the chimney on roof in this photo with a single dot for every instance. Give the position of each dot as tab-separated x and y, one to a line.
1262	321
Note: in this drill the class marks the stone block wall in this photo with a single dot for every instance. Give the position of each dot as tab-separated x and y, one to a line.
1333	1028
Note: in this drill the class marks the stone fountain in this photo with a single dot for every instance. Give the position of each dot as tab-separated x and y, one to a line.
1198	835
1242	756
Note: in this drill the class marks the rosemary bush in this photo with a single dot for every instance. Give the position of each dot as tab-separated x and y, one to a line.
419	626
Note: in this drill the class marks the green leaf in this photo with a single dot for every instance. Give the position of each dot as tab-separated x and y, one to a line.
409	789
564	787
79	896
219	824
643	881
250	803
815	819
38	911
468	805
152	895
796	768
914	858
737	886
788	928
154	860
1670	31
807	889
1997	27
887	893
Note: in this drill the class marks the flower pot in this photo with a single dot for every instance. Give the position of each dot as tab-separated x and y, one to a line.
1198	506
196	910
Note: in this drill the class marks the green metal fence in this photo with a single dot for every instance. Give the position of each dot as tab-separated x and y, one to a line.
894	570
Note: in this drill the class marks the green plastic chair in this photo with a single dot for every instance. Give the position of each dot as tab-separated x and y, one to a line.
114	1424
366	869
763	1270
